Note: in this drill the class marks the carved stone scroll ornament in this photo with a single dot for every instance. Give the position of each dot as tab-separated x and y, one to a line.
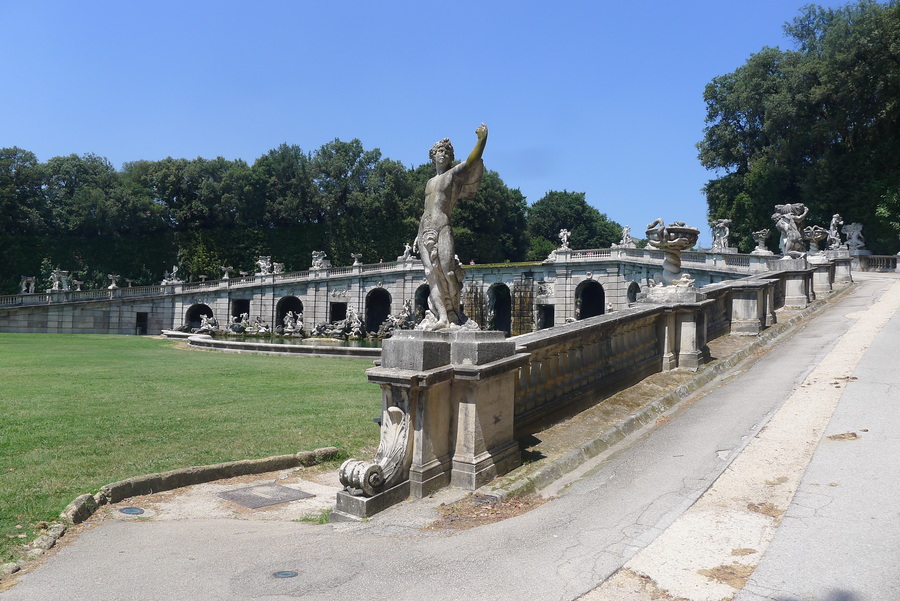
368	478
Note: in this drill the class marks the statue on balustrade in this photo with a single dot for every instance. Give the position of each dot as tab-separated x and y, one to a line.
855	240
721	231
171	278
833	242
28	283
407	253
788	220
265	265
443	271
320	260
59	281
627	241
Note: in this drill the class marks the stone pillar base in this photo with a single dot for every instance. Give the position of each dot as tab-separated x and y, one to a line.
471	475
745	327
354	509
425	479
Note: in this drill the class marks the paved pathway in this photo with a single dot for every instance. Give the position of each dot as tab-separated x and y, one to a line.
840	539
709	552
608	523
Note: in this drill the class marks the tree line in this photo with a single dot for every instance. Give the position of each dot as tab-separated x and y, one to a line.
81	214
818	124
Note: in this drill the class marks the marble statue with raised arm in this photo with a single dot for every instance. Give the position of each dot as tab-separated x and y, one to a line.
435	240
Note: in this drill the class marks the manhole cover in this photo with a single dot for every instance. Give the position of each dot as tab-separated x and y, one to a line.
264	495
285	574
131	510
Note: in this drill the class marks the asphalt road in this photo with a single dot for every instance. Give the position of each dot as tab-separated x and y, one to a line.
560	550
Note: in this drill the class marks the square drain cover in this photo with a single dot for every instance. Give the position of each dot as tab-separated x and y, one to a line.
264	495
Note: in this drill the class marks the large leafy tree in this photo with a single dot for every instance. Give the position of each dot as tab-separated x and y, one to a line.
490	227
23	207
818	124
588	227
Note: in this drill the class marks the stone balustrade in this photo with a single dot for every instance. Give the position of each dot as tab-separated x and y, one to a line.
573	364
569	365
878	263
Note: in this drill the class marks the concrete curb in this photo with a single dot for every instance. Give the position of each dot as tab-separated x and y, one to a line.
557	468
84	506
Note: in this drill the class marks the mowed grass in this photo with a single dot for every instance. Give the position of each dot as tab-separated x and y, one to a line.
79	411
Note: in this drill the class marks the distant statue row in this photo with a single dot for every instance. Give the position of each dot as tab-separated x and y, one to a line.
59	282
789	219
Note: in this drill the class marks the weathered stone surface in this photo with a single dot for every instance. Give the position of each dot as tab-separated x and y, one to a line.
44	541
7	569
351	508
479	347
306	458
79	510
416	350
326	454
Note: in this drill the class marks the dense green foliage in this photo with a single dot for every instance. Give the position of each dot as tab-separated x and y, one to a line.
819	124
83	411
588	227
80	214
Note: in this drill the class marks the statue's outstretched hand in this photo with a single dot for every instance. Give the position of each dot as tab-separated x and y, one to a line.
481	131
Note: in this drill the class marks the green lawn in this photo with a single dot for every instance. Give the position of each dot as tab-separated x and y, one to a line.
79	411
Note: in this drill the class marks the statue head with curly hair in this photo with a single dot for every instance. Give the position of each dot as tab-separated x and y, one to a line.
444	145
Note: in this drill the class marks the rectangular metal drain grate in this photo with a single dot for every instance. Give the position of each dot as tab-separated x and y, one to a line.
264	495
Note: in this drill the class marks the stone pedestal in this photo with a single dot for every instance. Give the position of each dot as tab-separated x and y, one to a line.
673	294
456	393
484	393
796	289
855	254
691	339
748	308
683	331
842	269
771	316
823	274
668	338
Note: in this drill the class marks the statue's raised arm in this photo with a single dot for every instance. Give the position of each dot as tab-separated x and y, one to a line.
482	132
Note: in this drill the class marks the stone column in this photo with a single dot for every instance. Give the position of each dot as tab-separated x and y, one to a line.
748	309
771	316
484	388
667	336
690	338
822	275
842	271
796	291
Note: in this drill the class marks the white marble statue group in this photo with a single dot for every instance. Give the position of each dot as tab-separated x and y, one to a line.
789	221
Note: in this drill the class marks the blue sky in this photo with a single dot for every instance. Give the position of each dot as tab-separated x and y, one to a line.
596	97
